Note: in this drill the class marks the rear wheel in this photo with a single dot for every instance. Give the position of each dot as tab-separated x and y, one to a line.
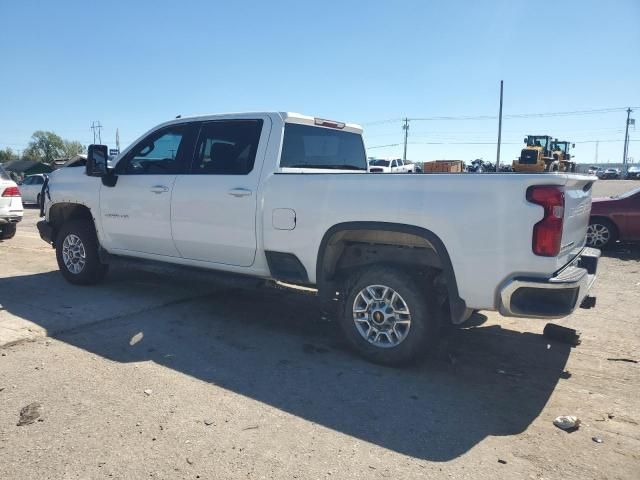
389	316
7	231
601	233
77	253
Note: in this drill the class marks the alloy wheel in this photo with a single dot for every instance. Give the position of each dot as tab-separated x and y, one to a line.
381	316
74	254
598	235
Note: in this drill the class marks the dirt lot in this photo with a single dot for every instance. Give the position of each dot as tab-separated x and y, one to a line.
160	373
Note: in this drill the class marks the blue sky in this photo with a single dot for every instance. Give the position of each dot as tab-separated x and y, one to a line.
133	64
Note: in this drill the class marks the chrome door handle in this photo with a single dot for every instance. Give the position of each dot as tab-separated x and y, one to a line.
159	189
240	192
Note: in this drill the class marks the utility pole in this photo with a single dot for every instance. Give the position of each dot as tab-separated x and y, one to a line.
405	127
499	128
118	140
626	139
96	127
597	144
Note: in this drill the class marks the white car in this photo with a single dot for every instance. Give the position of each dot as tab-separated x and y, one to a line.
391	166
31	188
288	197
10	206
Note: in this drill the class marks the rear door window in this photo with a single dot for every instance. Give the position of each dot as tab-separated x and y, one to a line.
305	146
227	147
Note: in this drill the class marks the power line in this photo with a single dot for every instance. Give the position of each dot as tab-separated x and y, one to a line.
511	116
384	146
458	133
486	143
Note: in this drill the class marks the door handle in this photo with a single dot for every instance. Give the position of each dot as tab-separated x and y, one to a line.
240	192
159	189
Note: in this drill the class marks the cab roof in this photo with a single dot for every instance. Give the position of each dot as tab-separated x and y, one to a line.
287	117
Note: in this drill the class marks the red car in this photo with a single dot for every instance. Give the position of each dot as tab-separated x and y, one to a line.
614	218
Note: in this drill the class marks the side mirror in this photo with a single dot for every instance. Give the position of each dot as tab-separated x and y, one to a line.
97	160
525	140
573	145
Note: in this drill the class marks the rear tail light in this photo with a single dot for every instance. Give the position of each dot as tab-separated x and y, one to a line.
11	192
547	233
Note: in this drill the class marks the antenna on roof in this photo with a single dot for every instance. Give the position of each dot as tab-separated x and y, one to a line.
178	116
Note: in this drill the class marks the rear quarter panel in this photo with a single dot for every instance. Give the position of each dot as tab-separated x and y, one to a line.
484	221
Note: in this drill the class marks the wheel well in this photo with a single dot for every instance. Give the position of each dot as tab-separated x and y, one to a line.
350	249
346	247
61	213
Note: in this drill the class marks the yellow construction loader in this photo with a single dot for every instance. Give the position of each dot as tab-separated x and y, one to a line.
537	156
560	151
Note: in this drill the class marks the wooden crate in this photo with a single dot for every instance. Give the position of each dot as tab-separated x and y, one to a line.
443	166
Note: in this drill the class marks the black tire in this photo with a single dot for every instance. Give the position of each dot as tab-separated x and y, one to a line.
7	231
598	229
423	332
93	271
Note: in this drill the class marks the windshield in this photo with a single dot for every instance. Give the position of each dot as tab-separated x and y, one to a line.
3	174
380	163
539	141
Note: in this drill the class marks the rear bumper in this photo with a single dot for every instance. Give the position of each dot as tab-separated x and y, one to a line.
10	219
46	231
553	297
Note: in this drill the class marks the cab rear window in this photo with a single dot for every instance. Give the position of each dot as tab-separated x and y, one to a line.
306	146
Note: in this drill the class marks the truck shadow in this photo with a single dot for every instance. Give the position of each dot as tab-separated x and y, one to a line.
276	347
623	251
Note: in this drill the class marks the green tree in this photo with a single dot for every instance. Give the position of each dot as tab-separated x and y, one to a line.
71	148
44	147
7	155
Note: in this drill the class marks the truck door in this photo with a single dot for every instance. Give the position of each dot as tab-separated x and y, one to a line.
213	210
135	213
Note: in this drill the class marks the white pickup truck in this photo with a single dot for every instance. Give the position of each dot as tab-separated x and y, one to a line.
396	165
288	197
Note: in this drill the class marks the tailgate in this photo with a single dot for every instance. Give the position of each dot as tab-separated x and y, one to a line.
577	207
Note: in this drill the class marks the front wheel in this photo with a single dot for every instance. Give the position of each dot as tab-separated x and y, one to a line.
389	316
77	253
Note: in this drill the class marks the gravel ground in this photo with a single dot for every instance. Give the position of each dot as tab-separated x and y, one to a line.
154	375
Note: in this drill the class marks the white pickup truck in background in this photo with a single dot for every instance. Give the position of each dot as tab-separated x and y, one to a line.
397	165
288	197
